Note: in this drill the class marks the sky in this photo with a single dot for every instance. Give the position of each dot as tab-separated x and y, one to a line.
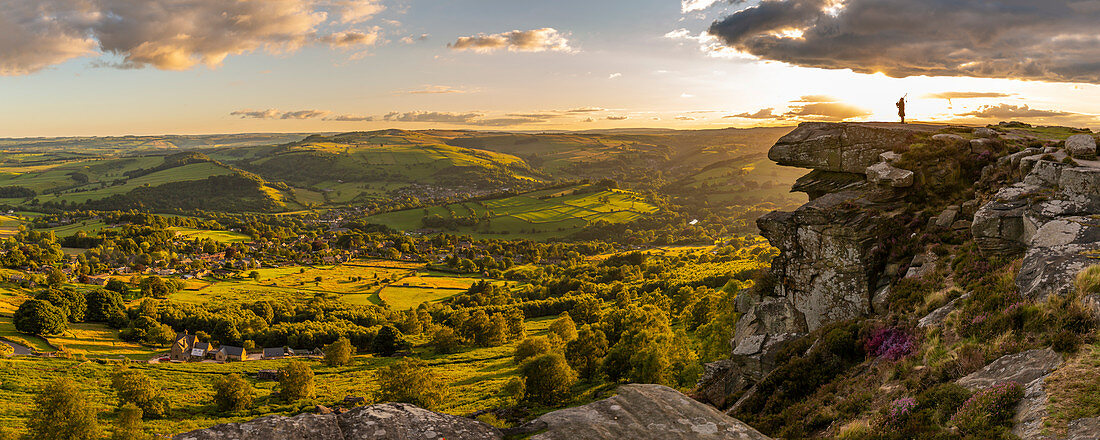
119	67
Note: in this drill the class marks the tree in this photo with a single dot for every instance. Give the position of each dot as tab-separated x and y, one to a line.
514	391
134	386
255	275
71	302
445	340
39	317
154	287
296	381
564	327
232	393
117	286
128	426
338	353
547	378
62	412
388	341
55	277
411	381
585	354
104	306
532	347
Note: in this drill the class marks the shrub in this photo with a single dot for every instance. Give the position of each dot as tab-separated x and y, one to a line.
896	414
445	340
128	426
232	393
62	412
531	347
564	327
548	378
411	381
296	381
338	353
889	343
988	409
514	391
1088	280
943	400
135	387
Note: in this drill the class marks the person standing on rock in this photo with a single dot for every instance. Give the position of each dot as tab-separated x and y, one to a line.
901	108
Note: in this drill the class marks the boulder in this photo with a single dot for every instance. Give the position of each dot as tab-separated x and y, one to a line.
1081	146
1021	368
883	173
947	217
640	412
946	138
396	421
985	132
1030	412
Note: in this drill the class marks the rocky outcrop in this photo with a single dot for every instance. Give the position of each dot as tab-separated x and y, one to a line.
394	421
638	412
850	147
1050	215
641	412
1022	368
1081	146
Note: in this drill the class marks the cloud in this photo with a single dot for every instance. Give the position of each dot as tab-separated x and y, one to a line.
432	90
826	111
685	118
1051	40
358	11
585	110
815	98
452	118
36	35
279	114
350	118
168	34
765	113
413	39
617	118
1008	111
537	40
966	95
696	5
588	120
615	75
352	38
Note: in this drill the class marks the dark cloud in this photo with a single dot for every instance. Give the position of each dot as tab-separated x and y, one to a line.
585	110
168	34
535	40
617	118
1008	111
1050	40
764	113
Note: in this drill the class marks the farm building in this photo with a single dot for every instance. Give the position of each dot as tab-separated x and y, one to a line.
229	353
274	353
181	348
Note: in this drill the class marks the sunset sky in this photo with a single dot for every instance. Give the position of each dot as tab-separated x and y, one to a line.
114	67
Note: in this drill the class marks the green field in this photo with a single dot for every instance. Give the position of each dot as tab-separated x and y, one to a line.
537	214
476	377
220	236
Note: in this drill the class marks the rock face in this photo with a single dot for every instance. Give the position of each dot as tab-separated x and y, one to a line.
396	421
1050	215
642	412
638	412
832	249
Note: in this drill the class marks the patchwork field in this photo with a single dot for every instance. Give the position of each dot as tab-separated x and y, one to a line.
220	236
537	214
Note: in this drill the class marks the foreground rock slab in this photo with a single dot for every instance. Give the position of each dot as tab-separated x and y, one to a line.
1022	368
638	412
394	421
641	412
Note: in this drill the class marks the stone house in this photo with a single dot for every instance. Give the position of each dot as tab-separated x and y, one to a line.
229	353
181	348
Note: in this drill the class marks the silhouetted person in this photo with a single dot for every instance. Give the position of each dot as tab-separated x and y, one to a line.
901	109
